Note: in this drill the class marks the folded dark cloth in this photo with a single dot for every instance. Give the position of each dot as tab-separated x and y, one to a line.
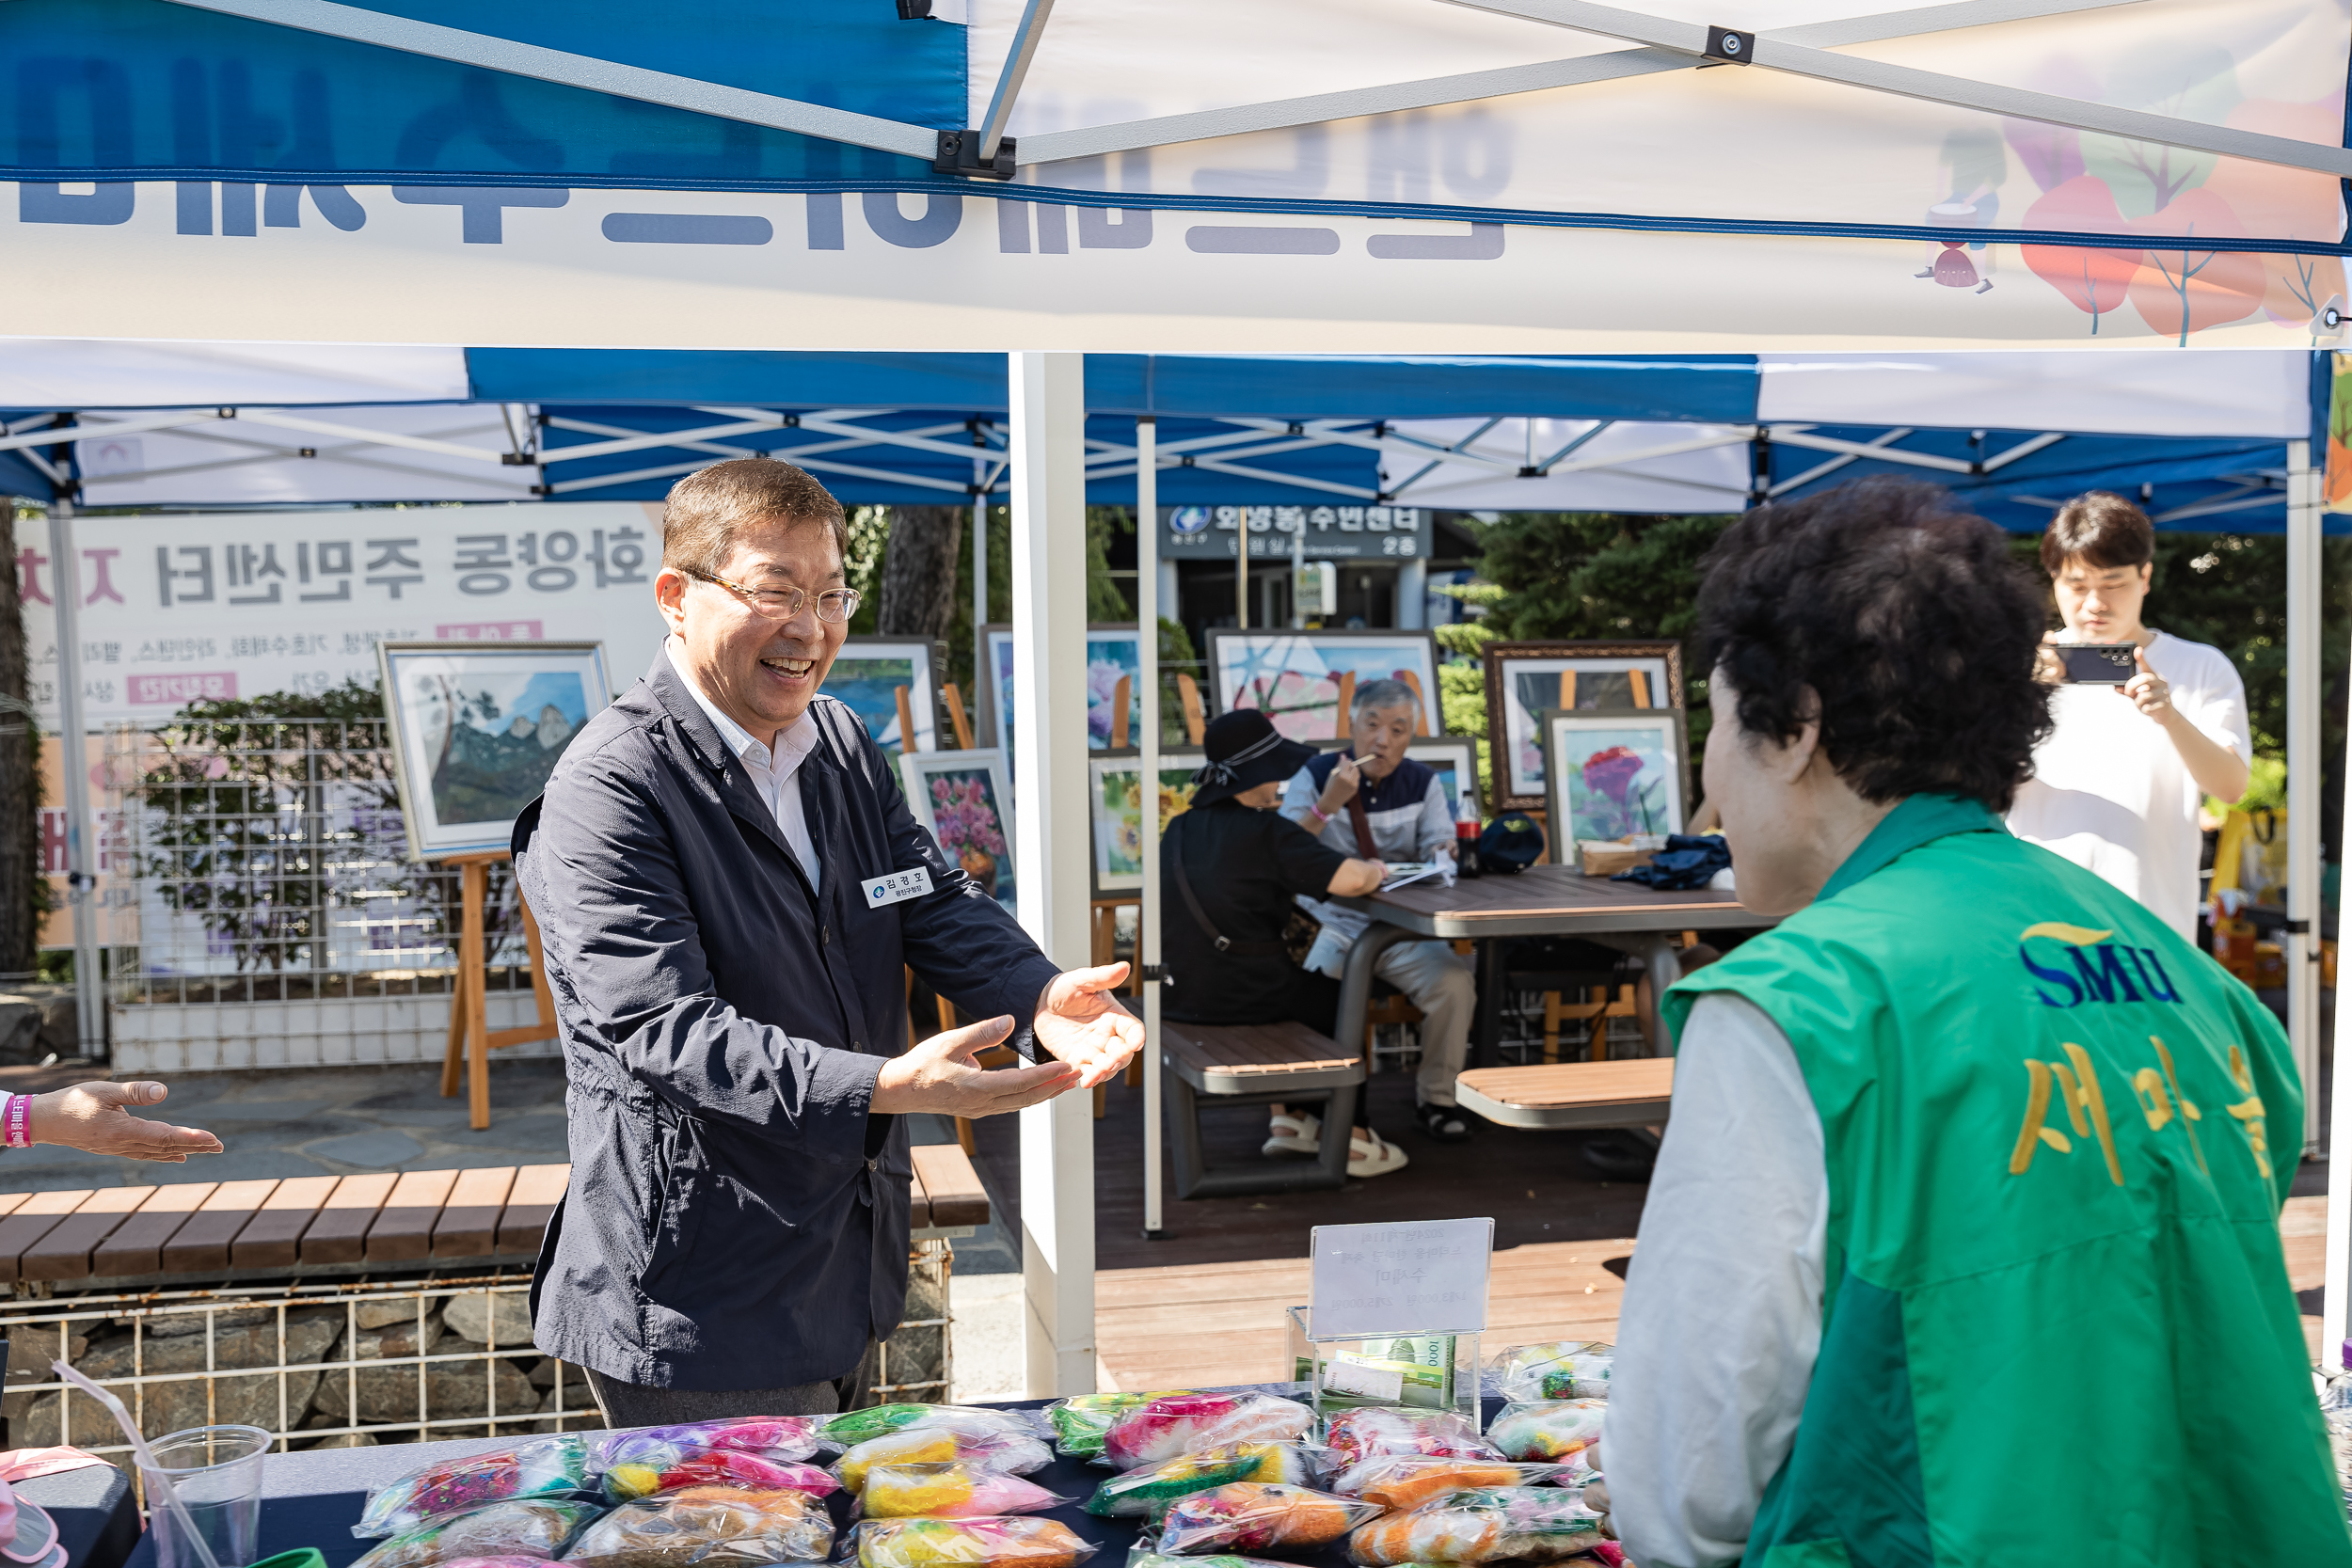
1688	861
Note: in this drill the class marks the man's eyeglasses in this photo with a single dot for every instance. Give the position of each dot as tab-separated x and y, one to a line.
784	604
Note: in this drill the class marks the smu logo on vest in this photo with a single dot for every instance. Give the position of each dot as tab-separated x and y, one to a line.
2087	967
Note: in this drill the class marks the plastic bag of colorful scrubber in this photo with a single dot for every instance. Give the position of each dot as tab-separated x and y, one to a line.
1004	1453
1373	1433
554	1466
532	1528
1022	1541
1257	1516
853	1427
1527	1524
952	1490
1558	1430
1178	1423
713	1526
1080	1420
1554	1370
1140	1493
762	1452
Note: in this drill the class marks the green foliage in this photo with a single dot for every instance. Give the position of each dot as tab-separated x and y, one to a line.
1598	574
1105	600
1462	701
869	540
236	800
2265	788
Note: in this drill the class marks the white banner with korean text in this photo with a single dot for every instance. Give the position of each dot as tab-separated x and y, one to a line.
239	604
987	271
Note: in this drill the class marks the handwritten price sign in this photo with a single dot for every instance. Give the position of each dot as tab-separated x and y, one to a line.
1427	1276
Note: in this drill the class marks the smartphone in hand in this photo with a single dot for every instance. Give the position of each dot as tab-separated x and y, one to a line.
2097	664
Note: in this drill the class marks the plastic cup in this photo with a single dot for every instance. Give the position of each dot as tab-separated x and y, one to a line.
217	1473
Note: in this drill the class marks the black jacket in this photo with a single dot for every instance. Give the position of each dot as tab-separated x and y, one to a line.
735	1218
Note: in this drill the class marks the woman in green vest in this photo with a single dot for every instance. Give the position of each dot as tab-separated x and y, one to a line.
1963	1246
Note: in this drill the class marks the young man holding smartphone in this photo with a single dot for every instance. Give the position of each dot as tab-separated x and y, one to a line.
2118	781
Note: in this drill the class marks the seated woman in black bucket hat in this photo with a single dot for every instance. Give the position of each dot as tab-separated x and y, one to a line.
1234	866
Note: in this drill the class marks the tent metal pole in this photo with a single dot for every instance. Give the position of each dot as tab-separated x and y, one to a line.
981	673
1779	54
1148	792
1430	92
1050	853
2335	1307
1298	576
65	581
2303	731
1241	568
1033	19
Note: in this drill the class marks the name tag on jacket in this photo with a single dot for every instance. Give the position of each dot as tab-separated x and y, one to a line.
897	887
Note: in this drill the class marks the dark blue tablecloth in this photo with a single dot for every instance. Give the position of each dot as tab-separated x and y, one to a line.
312	1500
98	1518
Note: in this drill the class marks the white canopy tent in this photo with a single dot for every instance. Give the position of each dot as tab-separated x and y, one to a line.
366	403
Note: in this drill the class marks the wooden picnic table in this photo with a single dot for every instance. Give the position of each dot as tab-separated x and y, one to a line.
1542	901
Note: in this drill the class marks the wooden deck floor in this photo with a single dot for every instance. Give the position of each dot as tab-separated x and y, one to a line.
1204	1304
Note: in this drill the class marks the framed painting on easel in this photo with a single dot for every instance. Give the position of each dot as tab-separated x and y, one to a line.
1527	679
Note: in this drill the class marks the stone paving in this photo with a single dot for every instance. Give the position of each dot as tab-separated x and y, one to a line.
325	1121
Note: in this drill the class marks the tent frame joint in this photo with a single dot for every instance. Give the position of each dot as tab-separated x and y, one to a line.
960	153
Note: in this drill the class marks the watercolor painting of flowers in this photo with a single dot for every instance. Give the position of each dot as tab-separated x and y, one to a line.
1118	809
1615	775
962	797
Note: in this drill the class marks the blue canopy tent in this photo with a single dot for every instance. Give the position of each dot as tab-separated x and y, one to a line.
924	428
985	176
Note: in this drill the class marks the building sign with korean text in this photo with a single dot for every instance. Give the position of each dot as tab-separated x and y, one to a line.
213	606
1353	532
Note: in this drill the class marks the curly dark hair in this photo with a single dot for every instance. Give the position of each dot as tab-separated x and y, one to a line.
1906	620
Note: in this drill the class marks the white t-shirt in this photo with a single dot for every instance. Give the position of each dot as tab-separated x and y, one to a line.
2110	791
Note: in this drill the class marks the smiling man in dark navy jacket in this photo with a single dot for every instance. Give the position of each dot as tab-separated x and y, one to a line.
704	867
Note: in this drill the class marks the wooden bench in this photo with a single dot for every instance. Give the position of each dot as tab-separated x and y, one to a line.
413	1219
1573	1095
1257	1064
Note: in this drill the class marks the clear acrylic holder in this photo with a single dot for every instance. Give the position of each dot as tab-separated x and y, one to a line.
1394	1372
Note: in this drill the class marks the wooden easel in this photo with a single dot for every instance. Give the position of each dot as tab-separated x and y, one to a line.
470	1038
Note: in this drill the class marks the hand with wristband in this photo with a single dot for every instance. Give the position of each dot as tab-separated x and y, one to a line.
93	1118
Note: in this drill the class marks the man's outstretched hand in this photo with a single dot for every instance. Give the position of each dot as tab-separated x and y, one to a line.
92	1116
939	1075
1078	1022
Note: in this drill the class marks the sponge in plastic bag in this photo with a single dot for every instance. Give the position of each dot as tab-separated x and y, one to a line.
1534	1524
1023	1541
534	1529
713	1525
543	1467
1138	1493
1176	1423
853	1427
716	1467
950	1491
1398	1481
1080	1420
1555	1369
1356	1435
1254	1515
1004	1454
1141	1556
1548	1429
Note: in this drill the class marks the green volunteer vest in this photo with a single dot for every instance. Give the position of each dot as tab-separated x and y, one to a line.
2055	1322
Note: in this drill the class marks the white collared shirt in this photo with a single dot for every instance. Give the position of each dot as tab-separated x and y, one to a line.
772	771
